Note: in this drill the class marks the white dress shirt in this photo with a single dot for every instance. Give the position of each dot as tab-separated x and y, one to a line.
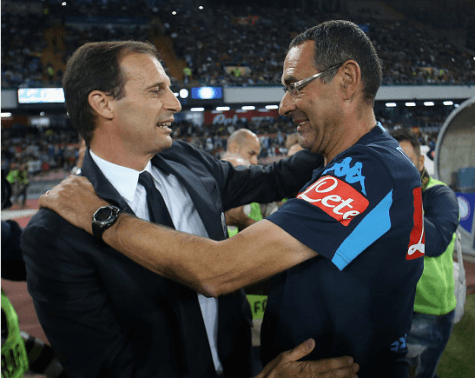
183	213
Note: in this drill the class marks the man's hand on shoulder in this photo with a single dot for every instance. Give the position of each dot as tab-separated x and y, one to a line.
75	200
286	364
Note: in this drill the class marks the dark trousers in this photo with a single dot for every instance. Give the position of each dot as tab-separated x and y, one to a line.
429	335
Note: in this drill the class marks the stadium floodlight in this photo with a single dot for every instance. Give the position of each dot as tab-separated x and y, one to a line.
456	105
223	108
42	114
64	3
410	104
429	103
272	107
391	104
6	115
174	13
176	94
184	93
200	7
197	109
448	103
206	93
248	107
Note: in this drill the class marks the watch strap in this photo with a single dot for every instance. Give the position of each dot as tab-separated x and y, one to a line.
98	227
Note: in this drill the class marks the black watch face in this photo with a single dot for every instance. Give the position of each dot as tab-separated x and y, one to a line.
103	214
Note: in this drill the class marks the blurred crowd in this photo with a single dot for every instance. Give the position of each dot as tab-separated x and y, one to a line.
23	41
221	44
40	150
453	15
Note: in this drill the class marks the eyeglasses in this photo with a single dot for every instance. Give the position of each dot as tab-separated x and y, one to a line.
294	88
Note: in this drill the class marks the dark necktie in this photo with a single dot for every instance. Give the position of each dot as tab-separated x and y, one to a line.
157	208
185	301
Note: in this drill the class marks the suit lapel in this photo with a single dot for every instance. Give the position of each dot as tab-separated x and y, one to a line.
195	344
233	310
199	193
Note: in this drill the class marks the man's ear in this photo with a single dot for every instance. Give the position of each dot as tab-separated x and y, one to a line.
232	147
350	79
102	104
422	160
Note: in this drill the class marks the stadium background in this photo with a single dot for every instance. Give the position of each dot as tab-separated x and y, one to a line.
225	59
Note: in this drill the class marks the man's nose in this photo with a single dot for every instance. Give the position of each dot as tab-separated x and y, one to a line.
287	105
173	103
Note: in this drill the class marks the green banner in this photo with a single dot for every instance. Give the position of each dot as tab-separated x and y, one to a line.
258	305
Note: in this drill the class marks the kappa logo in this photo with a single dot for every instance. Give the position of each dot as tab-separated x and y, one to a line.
352	174
417	239
399	344
336	198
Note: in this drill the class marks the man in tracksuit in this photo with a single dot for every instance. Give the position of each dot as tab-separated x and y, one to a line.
435	300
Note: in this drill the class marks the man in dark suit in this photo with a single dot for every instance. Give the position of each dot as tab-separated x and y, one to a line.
104	313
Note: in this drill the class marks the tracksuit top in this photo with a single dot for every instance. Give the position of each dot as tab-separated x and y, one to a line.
435	289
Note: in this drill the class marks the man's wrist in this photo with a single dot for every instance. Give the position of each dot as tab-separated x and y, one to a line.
108	234
103	218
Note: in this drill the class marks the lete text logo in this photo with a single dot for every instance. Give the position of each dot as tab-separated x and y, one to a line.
336	198
416	247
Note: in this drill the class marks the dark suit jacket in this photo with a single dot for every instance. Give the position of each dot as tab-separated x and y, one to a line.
110	317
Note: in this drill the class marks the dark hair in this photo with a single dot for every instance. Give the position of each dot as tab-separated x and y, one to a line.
406	135
338	41
95	66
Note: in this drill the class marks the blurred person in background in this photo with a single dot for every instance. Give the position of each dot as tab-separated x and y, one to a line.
292	144
243	216
21	352
18	178
435	300
243	147
244	143
76	170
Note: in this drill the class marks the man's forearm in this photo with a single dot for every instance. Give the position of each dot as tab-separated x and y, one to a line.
158	248
209	267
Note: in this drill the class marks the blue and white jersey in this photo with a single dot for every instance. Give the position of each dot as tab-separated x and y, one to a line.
362	213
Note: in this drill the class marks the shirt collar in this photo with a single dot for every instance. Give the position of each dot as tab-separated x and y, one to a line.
123	179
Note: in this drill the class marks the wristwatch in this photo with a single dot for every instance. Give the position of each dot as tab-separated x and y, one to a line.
103	218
